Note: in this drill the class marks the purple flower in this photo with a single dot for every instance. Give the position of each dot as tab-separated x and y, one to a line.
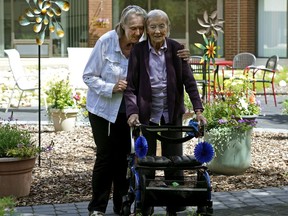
242	121
222	121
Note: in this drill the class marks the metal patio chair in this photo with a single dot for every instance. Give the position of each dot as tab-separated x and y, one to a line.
265	75
241	61
202	76
22	81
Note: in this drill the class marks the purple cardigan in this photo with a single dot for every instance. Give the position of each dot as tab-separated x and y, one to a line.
138	94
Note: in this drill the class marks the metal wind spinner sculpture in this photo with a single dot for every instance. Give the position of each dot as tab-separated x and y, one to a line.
43	13
212	24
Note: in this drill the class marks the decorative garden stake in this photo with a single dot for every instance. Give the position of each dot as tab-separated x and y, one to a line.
42	14
213	25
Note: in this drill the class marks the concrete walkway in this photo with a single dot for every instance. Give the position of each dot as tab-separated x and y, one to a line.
254	202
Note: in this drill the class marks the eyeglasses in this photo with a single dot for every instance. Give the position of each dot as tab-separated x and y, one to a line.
161	27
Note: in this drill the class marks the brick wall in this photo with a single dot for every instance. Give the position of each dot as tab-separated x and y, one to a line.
246	29
106	12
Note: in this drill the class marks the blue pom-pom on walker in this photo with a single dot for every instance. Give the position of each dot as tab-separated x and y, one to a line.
141	147
195	126
204	152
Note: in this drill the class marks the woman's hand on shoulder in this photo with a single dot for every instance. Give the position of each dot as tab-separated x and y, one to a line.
184	53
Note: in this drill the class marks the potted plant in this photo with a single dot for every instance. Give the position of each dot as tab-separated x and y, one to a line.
62	106
17	159
230	120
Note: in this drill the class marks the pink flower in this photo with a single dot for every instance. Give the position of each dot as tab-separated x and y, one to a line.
77	97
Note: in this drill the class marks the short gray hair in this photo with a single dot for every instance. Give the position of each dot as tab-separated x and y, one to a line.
158	13
129	10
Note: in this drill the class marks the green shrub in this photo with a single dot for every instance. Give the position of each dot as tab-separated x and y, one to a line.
7	205
16	142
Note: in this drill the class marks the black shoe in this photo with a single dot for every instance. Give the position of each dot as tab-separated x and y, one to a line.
172	211
116	210
148	211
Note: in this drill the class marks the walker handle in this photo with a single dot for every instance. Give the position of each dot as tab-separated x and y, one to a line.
153	130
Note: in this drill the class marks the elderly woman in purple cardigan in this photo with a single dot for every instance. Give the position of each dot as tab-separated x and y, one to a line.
155	92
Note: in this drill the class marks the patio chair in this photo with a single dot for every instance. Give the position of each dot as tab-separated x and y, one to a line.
22	81
240	62
199	72
78	58
201	75
265	75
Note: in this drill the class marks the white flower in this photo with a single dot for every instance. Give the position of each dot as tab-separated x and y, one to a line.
243	103
282	83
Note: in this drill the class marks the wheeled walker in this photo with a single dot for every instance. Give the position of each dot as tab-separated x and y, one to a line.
192	190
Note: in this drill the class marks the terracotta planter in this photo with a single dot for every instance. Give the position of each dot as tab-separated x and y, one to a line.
64	120
16	176
235	159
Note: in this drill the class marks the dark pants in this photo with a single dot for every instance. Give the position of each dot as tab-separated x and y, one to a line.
111	161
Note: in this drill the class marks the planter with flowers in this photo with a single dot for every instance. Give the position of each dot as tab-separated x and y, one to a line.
230	121
231	116
62	107
17	159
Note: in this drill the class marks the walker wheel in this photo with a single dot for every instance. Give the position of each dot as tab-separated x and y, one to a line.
204	211
126	210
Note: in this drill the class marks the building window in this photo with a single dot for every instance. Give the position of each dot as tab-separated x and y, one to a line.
183	15
272	28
